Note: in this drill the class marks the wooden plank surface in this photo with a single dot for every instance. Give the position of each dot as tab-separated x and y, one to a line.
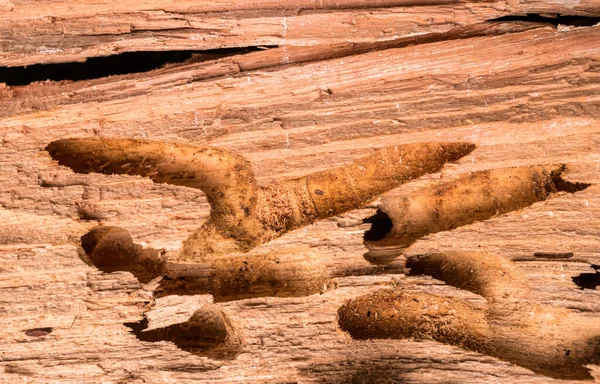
523	98
51	32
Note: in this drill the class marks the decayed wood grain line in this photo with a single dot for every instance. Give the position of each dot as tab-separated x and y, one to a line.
34	32
74	37
494	91
453	84
19	99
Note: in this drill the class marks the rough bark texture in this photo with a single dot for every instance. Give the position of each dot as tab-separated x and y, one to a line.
523	98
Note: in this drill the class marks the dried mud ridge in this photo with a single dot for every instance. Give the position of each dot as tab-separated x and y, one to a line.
244	215
477	196
208	332
215	260
513	327
287	273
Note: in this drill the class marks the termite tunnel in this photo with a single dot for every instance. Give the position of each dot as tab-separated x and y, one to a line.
381	225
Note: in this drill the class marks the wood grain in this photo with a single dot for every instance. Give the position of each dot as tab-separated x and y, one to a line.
523	98
34	32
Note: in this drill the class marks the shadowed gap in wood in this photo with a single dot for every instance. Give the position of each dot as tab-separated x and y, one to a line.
124	63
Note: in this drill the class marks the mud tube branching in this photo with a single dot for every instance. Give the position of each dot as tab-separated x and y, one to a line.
111	249
514	327
292	272
477	196
244	215
284	273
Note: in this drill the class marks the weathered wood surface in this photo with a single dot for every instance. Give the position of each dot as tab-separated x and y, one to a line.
523	98
50	32
18	99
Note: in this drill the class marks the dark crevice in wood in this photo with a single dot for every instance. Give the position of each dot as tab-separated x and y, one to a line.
145	61
563	185
121	64
381	225
575	21
588	280
38	332
553	255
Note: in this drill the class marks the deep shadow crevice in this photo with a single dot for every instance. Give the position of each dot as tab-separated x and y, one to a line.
563	185
38	332
574	21
381	225
588	280
97	67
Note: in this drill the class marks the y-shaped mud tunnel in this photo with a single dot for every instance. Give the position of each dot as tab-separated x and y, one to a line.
514	327
244	215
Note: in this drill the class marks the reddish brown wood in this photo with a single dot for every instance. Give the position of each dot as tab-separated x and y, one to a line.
529	97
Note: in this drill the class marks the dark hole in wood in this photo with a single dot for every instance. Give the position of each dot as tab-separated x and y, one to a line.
38	332
588	280
553	255
567	186
381	225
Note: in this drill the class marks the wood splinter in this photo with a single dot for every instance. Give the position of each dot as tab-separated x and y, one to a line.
244	215
514	327
477	196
